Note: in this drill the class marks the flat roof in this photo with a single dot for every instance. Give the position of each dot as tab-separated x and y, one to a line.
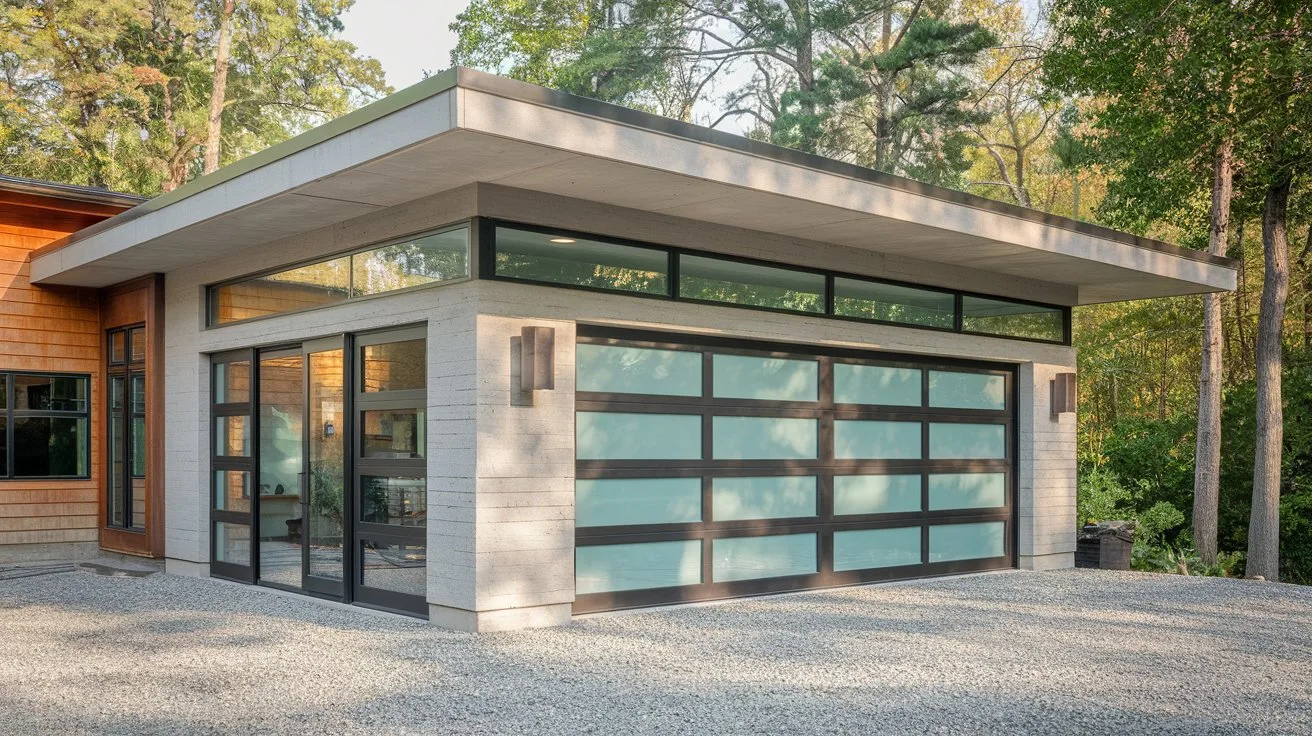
464	126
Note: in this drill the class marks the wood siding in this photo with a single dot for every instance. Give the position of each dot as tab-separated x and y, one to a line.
48	329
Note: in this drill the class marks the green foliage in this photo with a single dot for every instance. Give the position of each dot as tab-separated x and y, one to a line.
827	81
116	93
1151	461
1158	455
1164	72
1100	496
1184	560
1155	522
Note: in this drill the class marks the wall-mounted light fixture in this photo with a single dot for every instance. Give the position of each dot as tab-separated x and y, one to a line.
1063	394
537	358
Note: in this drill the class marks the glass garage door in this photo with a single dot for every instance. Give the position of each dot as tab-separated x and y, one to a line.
713	469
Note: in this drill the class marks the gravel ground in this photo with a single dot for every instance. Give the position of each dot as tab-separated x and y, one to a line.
1065	652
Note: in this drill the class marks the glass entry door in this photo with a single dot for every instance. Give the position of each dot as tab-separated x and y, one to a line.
282	466
324	504
302	467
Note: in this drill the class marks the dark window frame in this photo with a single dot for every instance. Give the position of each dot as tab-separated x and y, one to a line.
363	531
127	369
212	290
10	413
241	463
824	467
485	227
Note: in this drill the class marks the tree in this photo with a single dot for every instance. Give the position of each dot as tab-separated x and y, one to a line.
643	54
1020	110
131	94
1166	72
1274	39
219	86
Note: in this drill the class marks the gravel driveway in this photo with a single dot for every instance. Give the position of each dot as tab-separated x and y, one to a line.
1068	652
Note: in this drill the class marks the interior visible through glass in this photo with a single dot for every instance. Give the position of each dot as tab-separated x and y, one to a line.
281	418
324	532
561	258
394	366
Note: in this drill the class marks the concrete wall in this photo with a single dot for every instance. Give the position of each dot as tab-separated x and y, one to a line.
501	464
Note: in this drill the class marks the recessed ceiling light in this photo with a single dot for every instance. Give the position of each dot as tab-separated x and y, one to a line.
562	241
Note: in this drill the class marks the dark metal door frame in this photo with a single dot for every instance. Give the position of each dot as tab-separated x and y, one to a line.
336	588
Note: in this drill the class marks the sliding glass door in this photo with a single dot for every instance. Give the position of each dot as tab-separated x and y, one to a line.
282	466
324	505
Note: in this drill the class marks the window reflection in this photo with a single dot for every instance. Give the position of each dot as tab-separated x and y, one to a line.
394	500
395	433
425	259
732	282
394	366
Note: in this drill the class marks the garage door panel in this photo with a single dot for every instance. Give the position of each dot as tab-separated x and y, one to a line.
783	468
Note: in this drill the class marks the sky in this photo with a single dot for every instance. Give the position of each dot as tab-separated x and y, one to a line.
409	37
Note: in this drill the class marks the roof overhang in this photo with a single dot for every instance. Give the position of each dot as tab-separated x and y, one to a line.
41	194
463	127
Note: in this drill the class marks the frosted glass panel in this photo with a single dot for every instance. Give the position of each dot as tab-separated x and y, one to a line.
949	542
620	436
967	390
967	490
778	497
748	558
867	548
876	494
876	440
622	370
876	384
772	379
967	441
618	501
764	438
613	567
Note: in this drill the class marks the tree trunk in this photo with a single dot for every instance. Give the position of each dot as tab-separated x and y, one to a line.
1207	453
1076	206
884	96
1264	524
1306	267
1241	293
219	88
1162	384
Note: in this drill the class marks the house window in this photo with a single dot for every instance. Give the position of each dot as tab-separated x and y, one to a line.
44	425
578	261
420	260
126	428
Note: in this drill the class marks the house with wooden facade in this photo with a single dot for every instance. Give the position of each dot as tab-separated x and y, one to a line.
494	355
55	451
